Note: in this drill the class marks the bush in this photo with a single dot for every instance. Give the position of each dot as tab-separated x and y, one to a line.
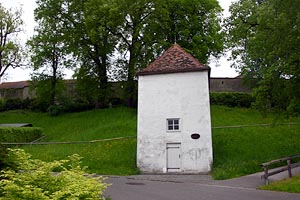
231	99
26	103
37	105
116	101
2	103
55	110
293	108
78	106
14	104
34	179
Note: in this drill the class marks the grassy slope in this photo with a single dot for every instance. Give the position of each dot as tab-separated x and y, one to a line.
114	157
237	151
286	185
240	151
81	126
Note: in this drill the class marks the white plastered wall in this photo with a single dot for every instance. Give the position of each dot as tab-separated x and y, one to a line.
175	95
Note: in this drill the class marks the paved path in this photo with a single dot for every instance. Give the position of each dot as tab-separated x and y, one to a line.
193	187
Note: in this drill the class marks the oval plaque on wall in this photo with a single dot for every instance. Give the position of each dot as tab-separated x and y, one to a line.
195	136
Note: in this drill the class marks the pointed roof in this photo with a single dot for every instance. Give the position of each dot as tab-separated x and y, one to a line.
174	60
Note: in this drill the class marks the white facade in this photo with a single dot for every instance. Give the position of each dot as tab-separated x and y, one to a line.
179	96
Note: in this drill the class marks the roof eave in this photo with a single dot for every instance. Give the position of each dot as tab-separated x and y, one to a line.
142	73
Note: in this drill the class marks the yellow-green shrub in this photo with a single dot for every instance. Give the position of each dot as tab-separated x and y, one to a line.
36	179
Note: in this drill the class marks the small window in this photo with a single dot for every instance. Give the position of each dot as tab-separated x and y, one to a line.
173	124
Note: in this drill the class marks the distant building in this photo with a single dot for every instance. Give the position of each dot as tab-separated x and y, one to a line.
14	90
174	125
228	85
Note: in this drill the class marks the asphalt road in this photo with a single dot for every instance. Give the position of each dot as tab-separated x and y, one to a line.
126	188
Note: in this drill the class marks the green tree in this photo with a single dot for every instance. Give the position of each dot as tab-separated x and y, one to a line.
11	53
48	52
128	25
241	28
87	39
193	24
111	36
97	47
146	28
263	37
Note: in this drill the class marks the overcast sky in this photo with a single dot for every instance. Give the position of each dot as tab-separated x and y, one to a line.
220	69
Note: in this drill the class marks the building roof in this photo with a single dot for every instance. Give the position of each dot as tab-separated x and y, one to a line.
174	60
14	85
22	84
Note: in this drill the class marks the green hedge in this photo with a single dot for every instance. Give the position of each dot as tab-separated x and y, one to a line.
14	104
19	134
231	99
15	135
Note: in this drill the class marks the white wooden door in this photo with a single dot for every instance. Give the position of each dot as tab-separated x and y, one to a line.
173	157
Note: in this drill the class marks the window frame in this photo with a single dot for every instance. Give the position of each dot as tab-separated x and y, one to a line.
173	125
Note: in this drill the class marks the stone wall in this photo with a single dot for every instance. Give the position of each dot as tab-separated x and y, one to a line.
228	85
14	90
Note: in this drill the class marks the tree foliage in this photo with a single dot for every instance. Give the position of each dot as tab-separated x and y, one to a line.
35	179
113	39
146	28
97	49
11	53
264	38
129	28
44	90
49	53
193	24
87	40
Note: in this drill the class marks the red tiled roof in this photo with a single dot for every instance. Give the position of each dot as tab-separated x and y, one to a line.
174	60
14	85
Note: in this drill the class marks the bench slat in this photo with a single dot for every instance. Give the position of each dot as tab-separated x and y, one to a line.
277	171
280	160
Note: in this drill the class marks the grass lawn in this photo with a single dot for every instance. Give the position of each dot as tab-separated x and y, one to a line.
81	126
286	185
111	157
237	151
240	151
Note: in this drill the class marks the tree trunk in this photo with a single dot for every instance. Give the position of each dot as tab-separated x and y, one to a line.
53	79
102	81
130	85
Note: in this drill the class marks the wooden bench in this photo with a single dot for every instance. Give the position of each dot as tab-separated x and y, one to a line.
269	172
